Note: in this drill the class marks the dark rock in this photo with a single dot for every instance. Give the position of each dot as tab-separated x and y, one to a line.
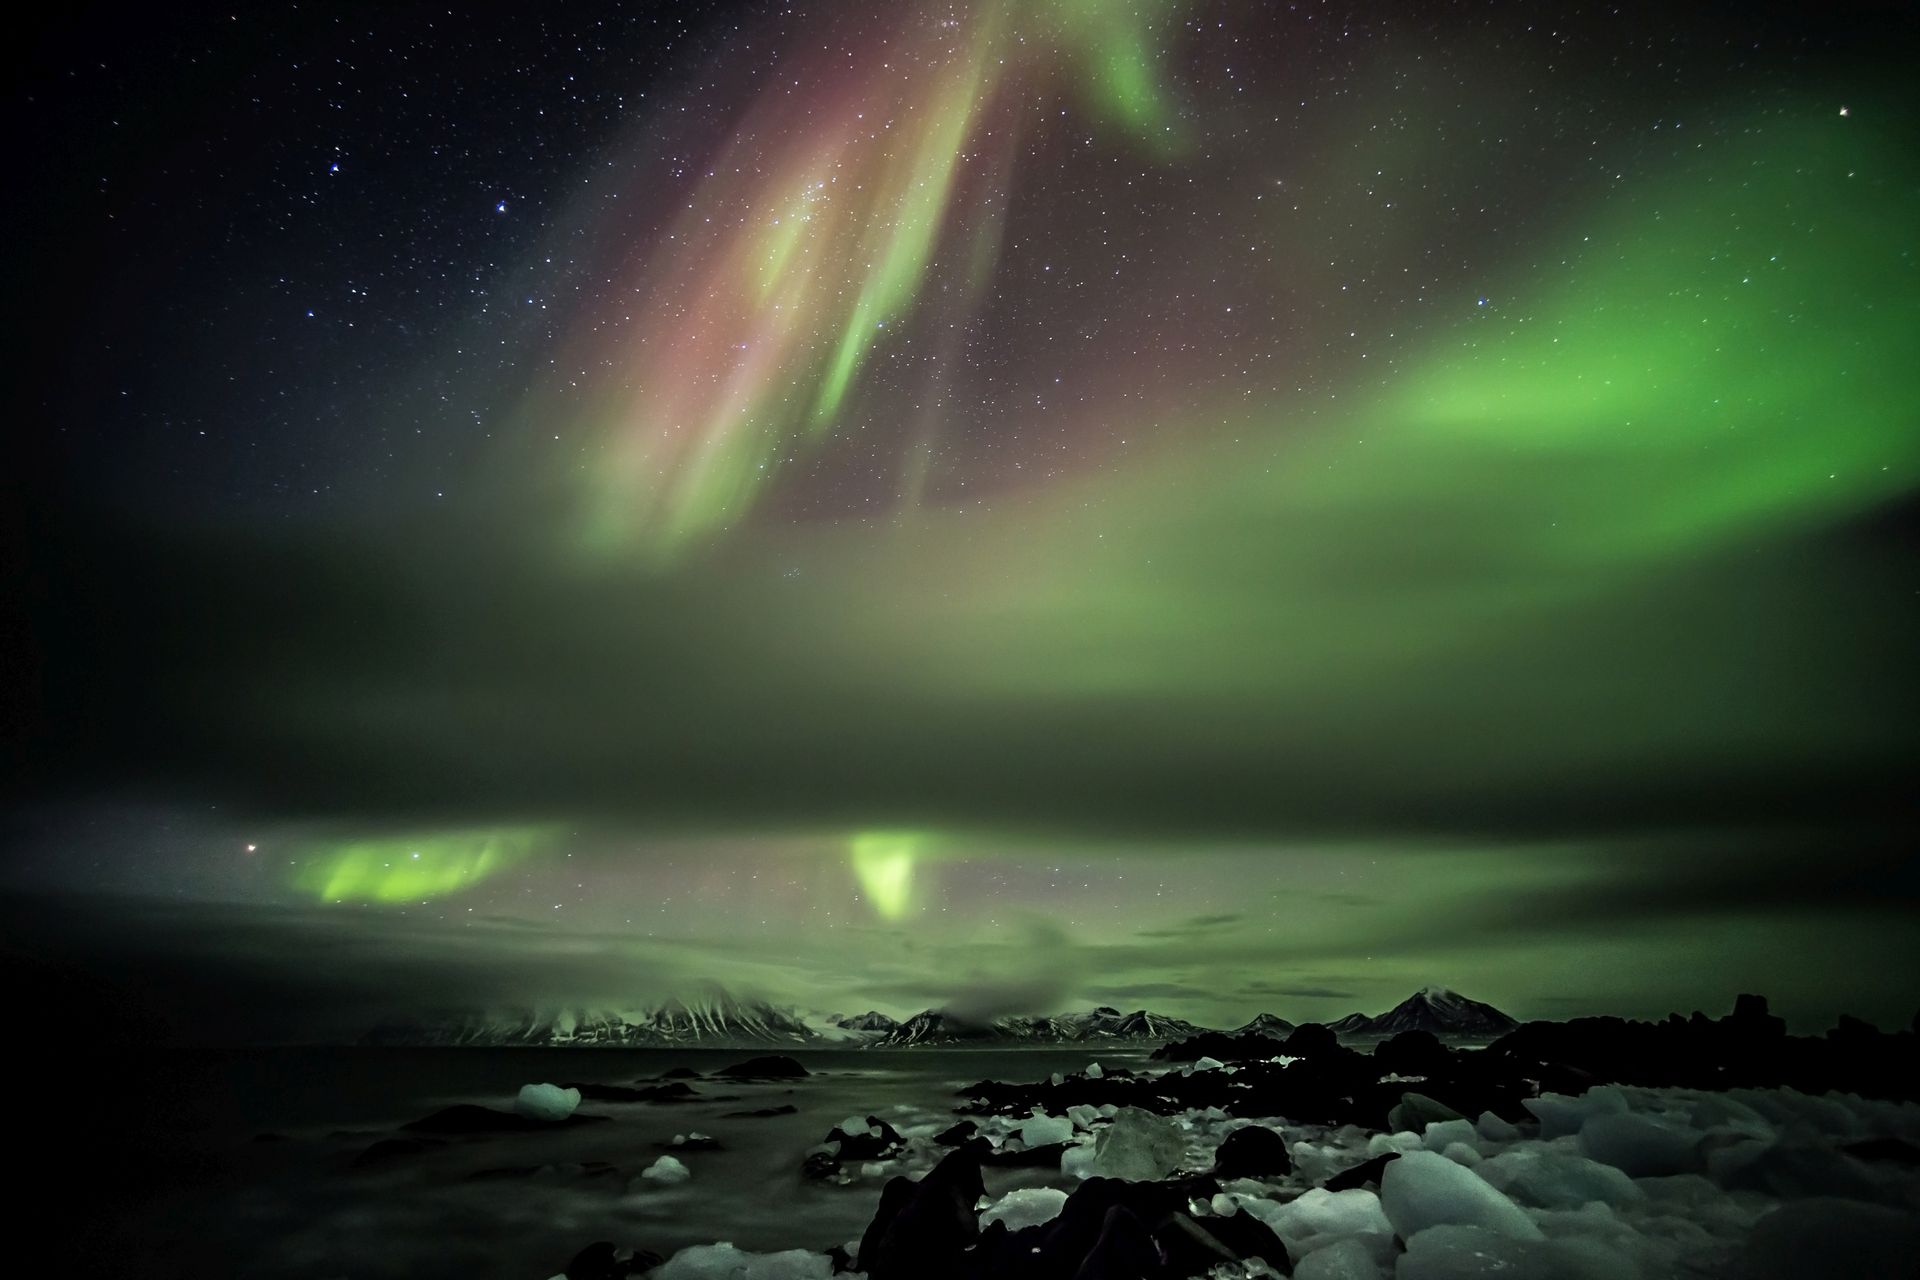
675	1092
1122	1251
1748	1049
596	1262
1072	1244
1253	1152
958	1134
1413	1053
1365	1174
774	1067
680	1073
1246	1046
867	1145
784	1109
601	1261
1194	1248
1046	1156
922	1230
1415	1111
1248	1237
388	1150
1310	1040
465	1117
820	1166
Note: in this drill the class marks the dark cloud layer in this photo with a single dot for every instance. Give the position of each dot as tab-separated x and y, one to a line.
435	677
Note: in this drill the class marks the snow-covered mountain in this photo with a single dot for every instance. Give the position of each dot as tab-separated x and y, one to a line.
714	1018
1434	1009
1266	1024
871	1020
1102	1025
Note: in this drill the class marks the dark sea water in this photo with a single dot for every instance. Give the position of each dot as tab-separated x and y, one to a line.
237	1163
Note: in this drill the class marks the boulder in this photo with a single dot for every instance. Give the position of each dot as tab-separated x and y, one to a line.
1253	1152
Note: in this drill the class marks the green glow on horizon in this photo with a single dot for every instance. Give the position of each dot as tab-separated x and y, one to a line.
413	868
883	863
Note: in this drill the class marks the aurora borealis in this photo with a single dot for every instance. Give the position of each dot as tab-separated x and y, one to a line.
1209	506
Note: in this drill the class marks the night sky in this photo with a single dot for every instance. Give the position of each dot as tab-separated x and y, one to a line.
1008	506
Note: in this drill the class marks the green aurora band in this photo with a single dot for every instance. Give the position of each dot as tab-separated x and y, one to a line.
413	868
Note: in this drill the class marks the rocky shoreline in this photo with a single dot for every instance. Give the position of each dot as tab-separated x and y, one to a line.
1588	1150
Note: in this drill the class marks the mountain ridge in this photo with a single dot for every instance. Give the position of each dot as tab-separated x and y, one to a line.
717	1019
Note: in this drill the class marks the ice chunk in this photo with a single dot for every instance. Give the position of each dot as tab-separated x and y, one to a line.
1443	1134
1205	1064
1494	1129
1561	1115
1044	1130
1640	1146
1077	1161
854	1126
1381	1143
724	1262
1423	1189
1083	1115
1342	1260
1827	1236
1320	1215
1469	1253
1093	1071
1550	1179
1415	1111
1461	1153
667	1171
1800	1164
1138	1147
1025	1207
546	1102
1719	1111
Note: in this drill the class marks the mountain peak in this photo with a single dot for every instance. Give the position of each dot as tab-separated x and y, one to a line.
1440	1011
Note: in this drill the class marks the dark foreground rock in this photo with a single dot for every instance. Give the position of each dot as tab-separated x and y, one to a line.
784	1109
601	1261
1107	1230
876	1140
1414	1078
1365	1174
1748	1049
959	1133
1253	1152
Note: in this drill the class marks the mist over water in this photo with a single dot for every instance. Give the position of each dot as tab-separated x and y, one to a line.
207	1192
